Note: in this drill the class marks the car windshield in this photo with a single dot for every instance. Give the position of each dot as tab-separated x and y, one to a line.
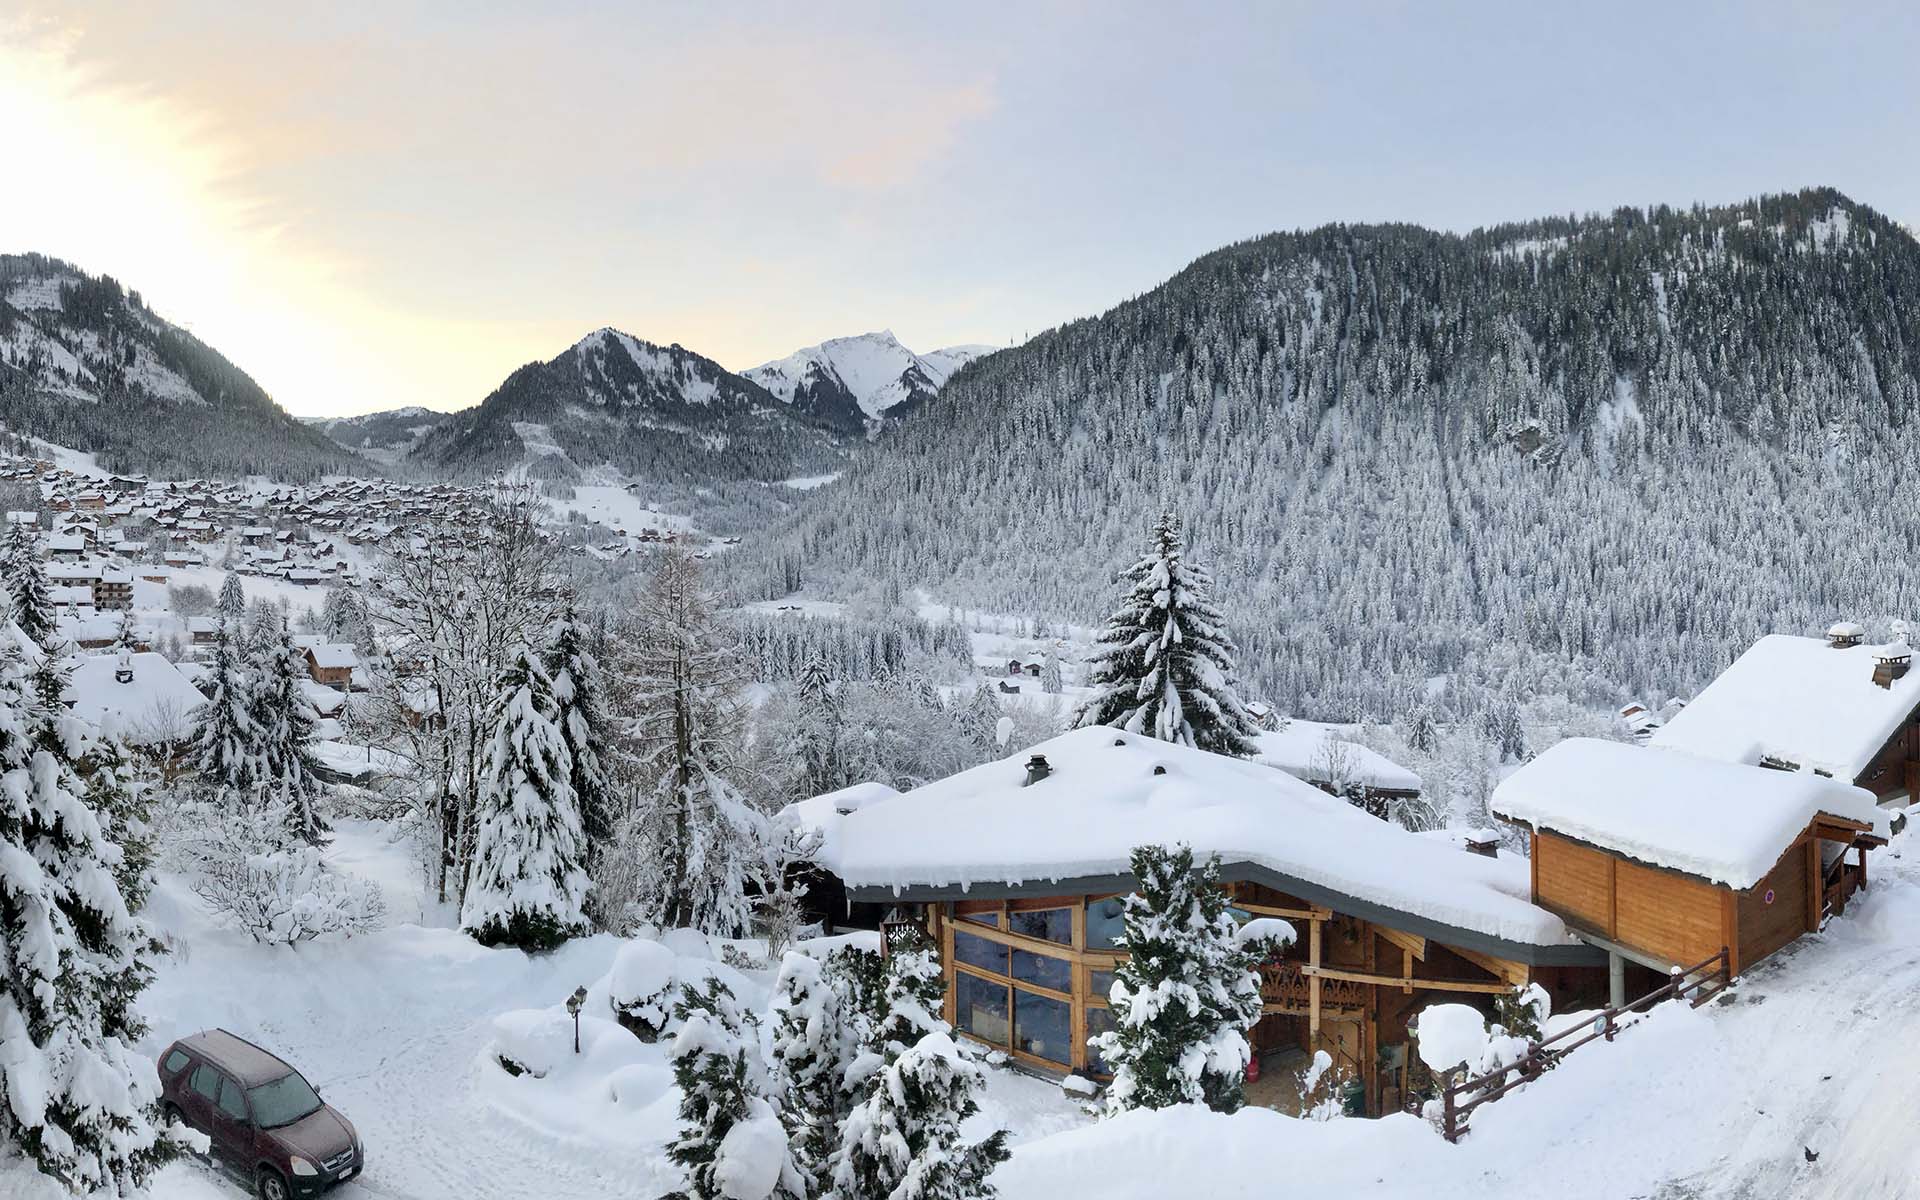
283	1101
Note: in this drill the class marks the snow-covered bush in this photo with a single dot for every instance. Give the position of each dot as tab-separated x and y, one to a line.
1523	1012
819	1061
1187	994
731	1143
1323	1089
531	1041
249	869
640	987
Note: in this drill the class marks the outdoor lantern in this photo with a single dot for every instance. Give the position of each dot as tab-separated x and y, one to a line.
574	1002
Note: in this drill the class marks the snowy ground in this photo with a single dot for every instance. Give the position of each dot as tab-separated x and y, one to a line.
1814	1051
392	1028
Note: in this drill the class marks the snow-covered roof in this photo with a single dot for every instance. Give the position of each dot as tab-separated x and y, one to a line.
1724	822
1110	792
333	655
1799	700
1302	750
156	700
824	812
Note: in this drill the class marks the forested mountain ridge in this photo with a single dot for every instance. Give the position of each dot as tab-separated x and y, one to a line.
85	363
382	436
613	402
1587	455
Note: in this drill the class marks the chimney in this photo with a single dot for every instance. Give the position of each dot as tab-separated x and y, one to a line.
1844	634
123	673
1890	662
1037	769
1484	842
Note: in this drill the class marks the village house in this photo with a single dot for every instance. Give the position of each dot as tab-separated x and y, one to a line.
1022	891
1315	753
142	698
332	663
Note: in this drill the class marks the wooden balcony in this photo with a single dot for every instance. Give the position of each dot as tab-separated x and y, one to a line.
1286	988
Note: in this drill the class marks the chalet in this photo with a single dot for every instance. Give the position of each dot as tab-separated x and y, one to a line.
1663	858
332	663
1837	707
1314	753
1264	716
66	547
203	630
142	698
1022	892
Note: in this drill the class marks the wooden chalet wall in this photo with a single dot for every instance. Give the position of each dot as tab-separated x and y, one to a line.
1896	767
1675	917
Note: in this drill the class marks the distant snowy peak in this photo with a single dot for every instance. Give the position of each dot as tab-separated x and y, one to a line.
871	376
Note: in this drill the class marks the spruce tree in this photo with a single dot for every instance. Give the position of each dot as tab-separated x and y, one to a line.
1050	681
529	882
721	1105
902	1141
283	736
82	1104
1164	663
814	747
27	590
1422	733
580	713
817	1053
223	750
231	607
1187	993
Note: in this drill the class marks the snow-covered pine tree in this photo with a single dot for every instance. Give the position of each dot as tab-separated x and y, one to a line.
126	639
902	1141
980	721
1164	663
1185	996
704	844
335	614
814	745
732	1144
817	1054
231	607
580	713
529	883
1423	734
82	1105
283	735
225	737
1050	681
32	602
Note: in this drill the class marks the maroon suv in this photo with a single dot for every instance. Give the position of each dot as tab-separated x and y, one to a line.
262	1116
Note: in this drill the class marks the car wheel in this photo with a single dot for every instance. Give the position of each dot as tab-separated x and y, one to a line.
271	1186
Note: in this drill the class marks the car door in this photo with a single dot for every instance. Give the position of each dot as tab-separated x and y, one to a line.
198	1097
232	1130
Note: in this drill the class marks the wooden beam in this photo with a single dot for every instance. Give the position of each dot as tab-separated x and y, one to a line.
1505	968
1274	910
1406	970
1317	973
1412	943
1312	970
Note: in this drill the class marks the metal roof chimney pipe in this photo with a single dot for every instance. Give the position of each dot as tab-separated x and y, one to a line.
1037	769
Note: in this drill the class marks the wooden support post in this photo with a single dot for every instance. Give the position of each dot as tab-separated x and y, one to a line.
1406	970
1313	984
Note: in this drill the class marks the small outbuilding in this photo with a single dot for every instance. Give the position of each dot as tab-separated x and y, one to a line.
1663	858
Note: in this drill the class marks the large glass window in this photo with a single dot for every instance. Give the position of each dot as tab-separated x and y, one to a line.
1043	1027
980	1007
1043	970
1099	983
1047	924
979	952
1099	1021
982	918
1104	922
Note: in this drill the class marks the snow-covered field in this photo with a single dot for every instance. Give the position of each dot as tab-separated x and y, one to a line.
1812	1051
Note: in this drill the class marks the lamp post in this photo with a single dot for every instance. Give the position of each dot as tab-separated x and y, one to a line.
574	1002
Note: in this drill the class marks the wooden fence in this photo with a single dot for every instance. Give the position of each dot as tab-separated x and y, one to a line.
1705	980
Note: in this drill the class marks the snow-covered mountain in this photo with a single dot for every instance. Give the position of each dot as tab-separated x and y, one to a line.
1594	456
613	404
385	436
854	380
85	363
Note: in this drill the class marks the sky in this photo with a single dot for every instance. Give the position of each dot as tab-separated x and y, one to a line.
373	205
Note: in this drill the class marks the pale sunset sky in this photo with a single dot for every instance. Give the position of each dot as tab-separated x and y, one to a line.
371	205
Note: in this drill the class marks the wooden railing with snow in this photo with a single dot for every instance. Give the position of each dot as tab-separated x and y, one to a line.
1704	980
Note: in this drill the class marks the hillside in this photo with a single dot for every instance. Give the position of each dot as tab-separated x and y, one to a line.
614	404
1591	456
385	436
85	363
856	382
